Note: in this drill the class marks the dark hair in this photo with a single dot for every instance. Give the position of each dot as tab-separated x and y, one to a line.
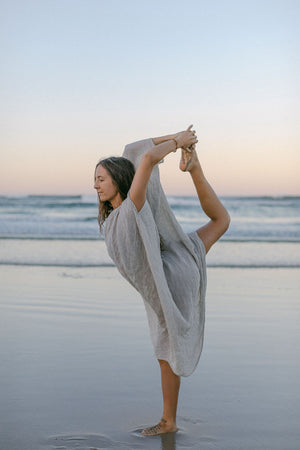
122	172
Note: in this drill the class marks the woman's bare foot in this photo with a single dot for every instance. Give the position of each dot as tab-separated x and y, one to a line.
189	159
162	427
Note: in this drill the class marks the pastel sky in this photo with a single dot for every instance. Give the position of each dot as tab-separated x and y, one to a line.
81	78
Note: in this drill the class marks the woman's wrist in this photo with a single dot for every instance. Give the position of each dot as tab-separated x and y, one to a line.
176	143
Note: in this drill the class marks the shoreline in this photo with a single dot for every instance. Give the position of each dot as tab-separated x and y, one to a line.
87	253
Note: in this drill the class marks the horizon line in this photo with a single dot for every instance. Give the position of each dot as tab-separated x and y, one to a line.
168	195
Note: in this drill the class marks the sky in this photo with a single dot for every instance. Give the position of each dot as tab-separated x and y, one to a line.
82	78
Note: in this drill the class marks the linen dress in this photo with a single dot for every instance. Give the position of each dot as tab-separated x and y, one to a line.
165	265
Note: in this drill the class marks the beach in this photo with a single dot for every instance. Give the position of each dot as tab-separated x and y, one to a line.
78	369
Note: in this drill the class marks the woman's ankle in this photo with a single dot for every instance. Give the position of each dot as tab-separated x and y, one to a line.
168	420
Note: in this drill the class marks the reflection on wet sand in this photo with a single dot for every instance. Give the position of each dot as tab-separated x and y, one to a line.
168	441
98	441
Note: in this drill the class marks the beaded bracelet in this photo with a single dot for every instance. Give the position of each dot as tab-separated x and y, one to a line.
175	144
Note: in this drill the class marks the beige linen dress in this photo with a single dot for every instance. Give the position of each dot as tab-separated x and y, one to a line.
165	265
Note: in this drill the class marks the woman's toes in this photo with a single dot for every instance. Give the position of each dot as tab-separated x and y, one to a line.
188	159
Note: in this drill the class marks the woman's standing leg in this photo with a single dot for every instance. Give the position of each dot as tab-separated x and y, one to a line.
170	383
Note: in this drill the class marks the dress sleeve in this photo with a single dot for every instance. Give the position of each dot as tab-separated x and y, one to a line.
135	150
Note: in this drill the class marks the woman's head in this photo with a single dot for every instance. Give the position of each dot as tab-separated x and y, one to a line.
113	178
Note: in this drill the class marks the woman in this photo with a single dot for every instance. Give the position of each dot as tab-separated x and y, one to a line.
153	253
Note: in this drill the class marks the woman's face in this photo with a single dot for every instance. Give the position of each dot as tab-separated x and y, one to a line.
105	187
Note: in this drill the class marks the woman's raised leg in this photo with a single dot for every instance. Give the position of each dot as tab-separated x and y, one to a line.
209	201
170	383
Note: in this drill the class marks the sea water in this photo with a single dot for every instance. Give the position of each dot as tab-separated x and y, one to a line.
63	231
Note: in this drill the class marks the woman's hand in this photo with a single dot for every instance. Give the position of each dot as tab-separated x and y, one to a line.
186	138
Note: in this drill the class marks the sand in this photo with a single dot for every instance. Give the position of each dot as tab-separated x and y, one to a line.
77	366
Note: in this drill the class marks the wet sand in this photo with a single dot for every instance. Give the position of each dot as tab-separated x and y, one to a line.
78	371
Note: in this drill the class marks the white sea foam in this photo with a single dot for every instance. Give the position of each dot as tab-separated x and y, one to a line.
63	230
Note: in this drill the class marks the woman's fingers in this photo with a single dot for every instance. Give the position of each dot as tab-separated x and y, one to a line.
187	138
190	129
192	139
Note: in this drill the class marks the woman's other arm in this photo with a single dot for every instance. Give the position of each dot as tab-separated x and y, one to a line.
161	139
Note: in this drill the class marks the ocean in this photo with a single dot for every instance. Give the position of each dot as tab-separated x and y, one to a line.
40	230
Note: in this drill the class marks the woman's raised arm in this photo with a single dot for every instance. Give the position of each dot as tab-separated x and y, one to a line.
138	188
161	139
